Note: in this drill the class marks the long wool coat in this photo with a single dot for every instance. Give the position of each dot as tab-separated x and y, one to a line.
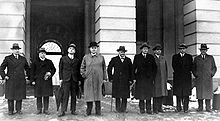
160	82
15	88
182	76
38	71
144	71
204	70
93	69
121	77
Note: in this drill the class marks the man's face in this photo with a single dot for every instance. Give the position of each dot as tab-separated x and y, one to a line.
93	49
71	50
145	50
15	51
42	55
203	51
121	53
183	50
158	52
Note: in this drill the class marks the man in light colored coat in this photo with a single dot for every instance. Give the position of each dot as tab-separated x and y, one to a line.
160	82
93	70
204	69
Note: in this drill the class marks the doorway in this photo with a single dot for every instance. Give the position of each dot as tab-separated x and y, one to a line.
54	53
58	20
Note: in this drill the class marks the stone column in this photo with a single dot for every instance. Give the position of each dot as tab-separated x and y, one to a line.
115	26
201	25
12	26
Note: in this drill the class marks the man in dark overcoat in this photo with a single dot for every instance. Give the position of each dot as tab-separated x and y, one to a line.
144	71
42	71
15	88
204	69
69	73
182	79
160	82
121	78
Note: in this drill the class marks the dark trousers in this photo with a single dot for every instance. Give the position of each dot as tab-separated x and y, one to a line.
45	103
157	104
121	104
97	107
69	88
207	103
182	100
143	105
17	105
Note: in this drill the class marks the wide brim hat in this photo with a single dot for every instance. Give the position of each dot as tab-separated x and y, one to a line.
157	47
93	44
145	45
203	47
15	46
72	45
182	46
122	48
42	50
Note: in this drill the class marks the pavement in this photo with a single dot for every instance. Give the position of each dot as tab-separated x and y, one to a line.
29	109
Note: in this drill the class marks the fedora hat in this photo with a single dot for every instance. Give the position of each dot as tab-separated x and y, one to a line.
15	46
145	44
182	46
93	44
122	48
72	45
203	47
42	50
157	47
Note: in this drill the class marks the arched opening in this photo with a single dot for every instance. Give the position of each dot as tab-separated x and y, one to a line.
54	53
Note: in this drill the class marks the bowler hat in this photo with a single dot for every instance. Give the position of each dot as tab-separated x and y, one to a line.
157	47
122	48
72	45
182	46
93	44
145	44
203	47
15	46
42	50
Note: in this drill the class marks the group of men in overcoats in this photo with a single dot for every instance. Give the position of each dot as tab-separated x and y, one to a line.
148	73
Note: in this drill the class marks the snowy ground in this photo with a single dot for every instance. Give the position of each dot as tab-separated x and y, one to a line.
29	109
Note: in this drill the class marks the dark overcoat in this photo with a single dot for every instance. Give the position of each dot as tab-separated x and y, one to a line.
144	71
38	71
160	83
121	77
204	70
15	88
69	68
182	75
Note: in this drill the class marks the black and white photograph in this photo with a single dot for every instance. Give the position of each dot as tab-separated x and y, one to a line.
109	60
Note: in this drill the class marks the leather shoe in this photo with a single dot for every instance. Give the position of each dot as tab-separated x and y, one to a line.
142	111
208	110
19	112
199	110
61	114
156	112
46	112
149	112
73	113
10	113
161	111
186	111
38	112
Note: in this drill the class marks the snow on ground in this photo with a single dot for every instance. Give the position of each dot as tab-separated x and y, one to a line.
29	108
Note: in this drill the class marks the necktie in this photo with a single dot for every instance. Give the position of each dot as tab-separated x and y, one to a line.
16	56
203	57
